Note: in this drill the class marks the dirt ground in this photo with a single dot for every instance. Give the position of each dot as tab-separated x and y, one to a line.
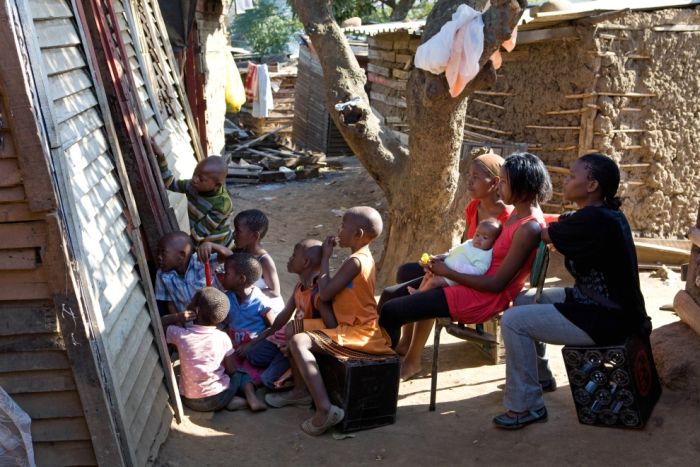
469	391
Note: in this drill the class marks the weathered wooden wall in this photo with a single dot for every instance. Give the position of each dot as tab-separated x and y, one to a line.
77	314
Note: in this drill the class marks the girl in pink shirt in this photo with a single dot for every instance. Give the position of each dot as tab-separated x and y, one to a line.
206	356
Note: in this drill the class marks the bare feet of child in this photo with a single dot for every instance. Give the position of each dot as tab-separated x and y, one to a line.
237	403
297	397
411	290
409	370
284	380
255	404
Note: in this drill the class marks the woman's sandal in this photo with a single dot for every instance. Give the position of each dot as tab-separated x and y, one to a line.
335	416
510	422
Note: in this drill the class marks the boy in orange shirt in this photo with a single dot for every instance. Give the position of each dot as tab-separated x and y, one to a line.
353	321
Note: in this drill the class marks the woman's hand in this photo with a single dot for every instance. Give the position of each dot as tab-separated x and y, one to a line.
438	267
328	245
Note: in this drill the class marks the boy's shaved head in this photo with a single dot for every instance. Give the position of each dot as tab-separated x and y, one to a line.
178	240
312	250
368	219
212	306
215	166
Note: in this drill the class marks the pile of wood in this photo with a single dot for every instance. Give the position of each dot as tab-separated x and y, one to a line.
390	62
268	158
282	114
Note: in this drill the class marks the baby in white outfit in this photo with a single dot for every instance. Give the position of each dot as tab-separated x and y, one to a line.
471	257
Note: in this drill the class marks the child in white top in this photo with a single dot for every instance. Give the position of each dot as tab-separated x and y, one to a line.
471	257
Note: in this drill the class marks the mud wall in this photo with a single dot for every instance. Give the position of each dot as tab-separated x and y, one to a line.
627	88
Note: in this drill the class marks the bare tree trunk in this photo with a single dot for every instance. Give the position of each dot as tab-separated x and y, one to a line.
401	9
424	190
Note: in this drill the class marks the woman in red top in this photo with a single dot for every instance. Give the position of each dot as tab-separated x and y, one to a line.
486	203
524	184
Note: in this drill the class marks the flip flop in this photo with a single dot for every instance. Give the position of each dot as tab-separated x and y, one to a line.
279	400
335	416
509	422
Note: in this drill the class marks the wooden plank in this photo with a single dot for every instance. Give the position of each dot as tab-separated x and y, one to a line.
678	28
65	453
25	291
29	318
37	381
34	361
68	83
137	344
18	212
687	310
12	194
80	126
117	333
9	173
155	432
30	342
41	405
24	258
549	34
652	253
56	33
694	236
62	60
7	146
74	329
150	376
60	429
74	105
49	9
154	400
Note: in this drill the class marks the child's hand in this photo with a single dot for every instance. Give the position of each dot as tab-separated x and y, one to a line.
328	245
204	251
243	350
156	149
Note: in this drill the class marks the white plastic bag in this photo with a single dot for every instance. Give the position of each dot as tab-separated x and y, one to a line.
15	433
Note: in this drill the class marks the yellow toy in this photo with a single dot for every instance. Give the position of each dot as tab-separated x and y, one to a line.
424	259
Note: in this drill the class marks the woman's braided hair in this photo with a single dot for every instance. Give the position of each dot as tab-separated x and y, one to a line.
606	172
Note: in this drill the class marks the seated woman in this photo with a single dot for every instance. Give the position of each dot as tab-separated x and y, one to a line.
605	305
524	184
486	203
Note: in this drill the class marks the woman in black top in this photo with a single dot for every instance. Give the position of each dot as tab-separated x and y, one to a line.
604	307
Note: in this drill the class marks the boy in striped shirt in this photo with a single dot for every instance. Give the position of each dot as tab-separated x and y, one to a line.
209	205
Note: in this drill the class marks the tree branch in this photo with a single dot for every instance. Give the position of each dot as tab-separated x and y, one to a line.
375	146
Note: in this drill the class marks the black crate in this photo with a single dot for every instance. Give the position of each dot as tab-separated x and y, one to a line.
367	388
613	385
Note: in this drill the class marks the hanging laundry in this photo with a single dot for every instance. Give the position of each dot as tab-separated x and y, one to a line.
456	49
264	104
251	82
234	91
509	45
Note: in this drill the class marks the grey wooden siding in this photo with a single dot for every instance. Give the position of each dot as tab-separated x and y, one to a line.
160	106
94	201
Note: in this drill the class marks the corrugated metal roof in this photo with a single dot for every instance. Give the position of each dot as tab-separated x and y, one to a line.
374	29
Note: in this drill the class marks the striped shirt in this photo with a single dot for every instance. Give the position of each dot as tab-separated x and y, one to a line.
179	289
209	213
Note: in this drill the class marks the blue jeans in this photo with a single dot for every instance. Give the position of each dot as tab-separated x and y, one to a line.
521	327
267	355
220	400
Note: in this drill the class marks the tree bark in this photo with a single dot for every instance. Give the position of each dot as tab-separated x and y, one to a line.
423	185
400	10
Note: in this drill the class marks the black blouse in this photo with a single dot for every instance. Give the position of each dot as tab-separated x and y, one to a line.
606	300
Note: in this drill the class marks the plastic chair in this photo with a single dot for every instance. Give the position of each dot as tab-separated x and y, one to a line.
486	335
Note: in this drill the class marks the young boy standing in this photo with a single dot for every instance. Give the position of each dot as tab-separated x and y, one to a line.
209	205
352	322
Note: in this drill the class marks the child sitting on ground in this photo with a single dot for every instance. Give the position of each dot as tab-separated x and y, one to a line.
249	228
180	272
306	263
206	356
352	322
208	202
248	319
471	257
